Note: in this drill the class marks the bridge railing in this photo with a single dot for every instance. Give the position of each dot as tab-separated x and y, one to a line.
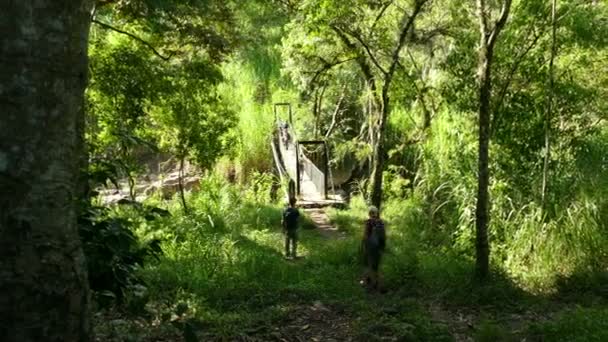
318	172
283	175
316	175
290	152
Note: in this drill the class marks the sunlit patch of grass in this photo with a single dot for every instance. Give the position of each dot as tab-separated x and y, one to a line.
234	265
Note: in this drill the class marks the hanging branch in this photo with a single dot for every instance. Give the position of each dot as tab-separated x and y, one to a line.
365	67
500	23
334	117
428	114
110	27
317	109
369	52
407	23
380	15
326	67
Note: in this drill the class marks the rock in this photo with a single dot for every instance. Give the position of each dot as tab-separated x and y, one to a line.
318	306
391	311
170	185
118	322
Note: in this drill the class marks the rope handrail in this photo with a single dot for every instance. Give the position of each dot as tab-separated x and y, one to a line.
296	164
280	167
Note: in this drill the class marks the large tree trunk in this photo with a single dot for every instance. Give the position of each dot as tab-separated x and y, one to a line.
481	213
379	150
407	23
43	73
488	38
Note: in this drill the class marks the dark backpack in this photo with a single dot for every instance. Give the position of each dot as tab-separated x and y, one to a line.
290	217
377	236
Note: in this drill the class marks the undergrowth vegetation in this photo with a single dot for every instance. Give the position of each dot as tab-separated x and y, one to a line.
536	248
222	274
223	268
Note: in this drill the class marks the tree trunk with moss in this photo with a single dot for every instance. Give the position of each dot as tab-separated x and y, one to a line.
43	73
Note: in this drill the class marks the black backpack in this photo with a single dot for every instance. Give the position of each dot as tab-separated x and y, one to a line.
290	216
377	236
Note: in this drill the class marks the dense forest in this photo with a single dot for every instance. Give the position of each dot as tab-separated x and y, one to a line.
143	178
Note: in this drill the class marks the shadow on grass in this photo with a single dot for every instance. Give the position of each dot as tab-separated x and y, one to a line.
452	280
346	222
413	271
584	286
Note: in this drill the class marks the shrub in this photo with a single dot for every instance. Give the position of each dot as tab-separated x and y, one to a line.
114	253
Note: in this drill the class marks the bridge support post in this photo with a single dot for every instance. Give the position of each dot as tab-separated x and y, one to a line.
326	168
298	171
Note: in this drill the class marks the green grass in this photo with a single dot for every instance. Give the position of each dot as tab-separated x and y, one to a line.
223	275
224	262
581	324
236	278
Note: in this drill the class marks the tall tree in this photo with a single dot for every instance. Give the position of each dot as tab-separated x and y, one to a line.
549	110
372	36
406	25
488	37
43	73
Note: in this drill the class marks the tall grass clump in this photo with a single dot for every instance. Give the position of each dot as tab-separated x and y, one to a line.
255	118
525	239
567	240
445	185
538	252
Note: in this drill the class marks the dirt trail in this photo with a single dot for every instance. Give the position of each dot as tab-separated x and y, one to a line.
324	226
314	322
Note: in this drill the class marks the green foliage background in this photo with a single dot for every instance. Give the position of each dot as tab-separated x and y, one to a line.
211	103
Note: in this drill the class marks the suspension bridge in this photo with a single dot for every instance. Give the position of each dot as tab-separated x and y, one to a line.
303	164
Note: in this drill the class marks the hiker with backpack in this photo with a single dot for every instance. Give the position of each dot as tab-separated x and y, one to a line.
290	228
373	245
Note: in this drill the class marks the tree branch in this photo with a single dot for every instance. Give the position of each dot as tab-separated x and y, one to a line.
380	14
500	23
421	92
369	51
101	3
334	117
420	95
110	27
361	60
407	23
483	20
317	110
428	35
503	91
326	67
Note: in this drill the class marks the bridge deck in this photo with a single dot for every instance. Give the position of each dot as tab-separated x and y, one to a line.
309	196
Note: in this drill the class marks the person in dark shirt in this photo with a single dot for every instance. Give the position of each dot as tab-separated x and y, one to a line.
373	244
290	228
